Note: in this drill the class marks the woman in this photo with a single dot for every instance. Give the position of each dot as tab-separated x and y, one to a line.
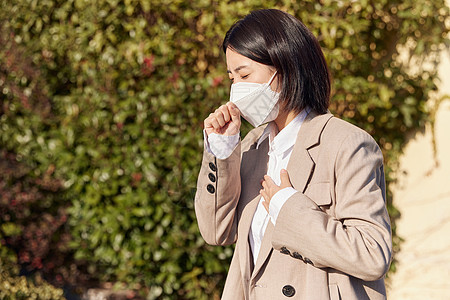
303	198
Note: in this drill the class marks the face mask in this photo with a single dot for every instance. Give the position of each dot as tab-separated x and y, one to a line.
256	101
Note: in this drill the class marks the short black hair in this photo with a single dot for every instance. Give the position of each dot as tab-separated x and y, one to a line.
275	38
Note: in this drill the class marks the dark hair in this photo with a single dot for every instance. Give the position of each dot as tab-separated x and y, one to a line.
275	38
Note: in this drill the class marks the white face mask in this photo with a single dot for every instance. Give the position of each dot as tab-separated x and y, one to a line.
256	101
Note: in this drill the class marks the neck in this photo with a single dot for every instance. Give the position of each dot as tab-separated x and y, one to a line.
284	118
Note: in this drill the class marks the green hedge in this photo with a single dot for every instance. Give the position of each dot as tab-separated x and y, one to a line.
104	101
15	287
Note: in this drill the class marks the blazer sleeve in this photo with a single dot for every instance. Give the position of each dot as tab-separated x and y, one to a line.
356	240
217	197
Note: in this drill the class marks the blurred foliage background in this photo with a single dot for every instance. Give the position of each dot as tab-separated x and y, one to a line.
101	111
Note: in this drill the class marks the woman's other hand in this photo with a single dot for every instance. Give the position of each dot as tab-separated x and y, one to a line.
270	188
225	120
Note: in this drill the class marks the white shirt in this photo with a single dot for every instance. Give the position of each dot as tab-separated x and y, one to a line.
280	150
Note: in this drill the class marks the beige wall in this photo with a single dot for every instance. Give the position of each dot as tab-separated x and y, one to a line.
423	197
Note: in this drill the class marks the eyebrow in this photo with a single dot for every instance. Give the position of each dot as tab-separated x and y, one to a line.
238	68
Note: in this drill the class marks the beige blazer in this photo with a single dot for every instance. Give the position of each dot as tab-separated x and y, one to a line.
332	239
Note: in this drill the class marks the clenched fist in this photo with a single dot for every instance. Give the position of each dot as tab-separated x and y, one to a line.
225	120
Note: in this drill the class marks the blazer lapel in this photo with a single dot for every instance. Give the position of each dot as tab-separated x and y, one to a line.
301	164
266	249
255	161
245	253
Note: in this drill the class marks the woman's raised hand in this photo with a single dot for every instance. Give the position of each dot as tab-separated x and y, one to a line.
225	120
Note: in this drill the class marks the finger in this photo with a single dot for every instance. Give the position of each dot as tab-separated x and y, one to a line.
269	180
266	205
262	183
225	112
234	112
264	194
219	118
208	121
214	123
284	176
231	106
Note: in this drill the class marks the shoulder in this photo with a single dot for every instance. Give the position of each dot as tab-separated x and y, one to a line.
339	126
347	148
340	130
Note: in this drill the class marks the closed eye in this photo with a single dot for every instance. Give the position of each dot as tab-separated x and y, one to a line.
242	77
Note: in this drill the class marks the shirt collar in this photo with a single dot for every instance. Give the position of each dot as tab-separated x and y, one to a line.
283	140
